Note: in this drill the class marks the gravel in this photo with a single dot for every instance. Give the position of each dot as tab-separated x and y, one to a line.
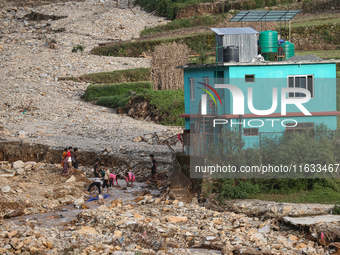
304	58
38	108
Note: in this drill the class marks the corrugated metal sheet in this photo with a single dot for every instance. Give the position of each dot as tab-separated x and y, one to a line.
234	31
247	44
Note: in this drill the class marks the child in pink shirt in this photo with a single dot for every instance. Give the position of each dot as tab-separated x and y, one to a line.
113	177
129	177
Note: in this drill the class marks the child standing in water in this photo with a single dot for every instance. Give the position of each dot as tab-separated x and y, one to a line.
129	177
106	179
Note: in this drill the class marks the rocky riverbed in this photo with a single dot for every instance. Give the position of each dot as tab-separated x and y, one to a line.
44	212
145	222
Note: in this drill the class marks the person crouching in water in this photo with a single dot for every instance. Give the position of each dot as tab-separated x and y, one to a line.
106	179
129	177
114	177
96	182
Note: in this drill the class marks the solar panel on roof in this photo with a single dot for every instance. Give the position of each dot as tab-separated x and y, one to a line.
264	15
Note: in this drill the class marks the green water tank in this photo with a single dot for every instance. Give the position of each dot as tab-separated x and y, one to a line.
288	49
268	41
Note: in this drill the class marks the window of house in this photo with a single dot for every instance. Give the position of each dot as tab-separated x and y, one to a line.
206	81
250	131
301	81
299	127
249	78
192	88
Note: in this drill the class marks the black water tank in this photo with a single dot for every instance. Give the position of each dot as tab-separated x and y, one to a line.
231	53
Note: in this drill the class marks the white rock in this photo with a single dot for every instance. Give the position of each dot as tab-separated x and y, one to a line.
20	171
79	202
71	179
18	164
6	189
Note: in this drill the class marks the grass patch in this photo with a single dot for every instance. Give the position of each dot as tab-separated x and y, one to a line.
325	54
165	103
327	33
94	92
209	60
169	103
317	22
322	196
114	101
134	49
196	21
168	8
128	75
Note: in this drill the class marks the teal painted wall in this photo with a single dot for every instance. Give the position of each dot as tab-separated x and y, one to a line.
192	106
267	77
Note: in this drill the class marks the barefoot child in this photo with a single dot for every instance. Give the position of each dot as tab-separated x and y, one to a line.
129	177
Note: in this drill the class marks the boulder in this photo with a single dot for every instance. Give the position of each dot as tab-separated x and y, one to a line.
20	171
71	179
137	139
79	202
38	166
116	202
118	233
6	189
16	213
87	230
148	137
176	219
101	200
286	209
12	233
273	209
18	164
137	199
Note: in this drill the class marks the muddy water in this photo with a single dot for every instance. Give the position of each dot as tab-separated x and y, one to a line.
66	214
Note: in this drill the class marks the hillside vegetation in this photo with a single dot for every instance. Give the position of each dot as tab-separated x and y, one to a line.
170	8
112	90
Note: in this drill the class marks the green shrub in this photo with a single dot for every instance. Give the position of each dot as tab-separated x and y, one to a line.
336	210
78	47
96	91
230	189
169	103
128	75
114	101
